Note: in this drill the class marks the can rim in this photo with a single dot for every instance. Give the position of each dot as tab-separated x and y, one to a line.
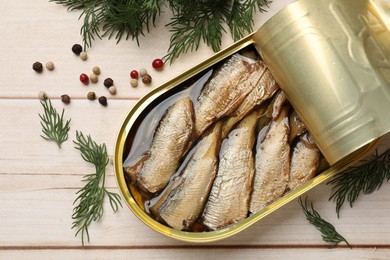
209	236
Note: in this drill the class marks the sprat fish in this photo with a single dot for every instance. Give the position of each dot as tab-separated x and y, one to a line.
264	89
272	164
225	90
171	139
297	127
228	202
305	161
183	200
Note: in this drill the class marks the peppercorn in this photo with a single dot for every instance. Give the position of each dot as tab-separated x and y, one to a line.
37	66
147	79
108	82
134	74
158	64
42	95
83	55
103	100
96	70
134	82
91	95
65	98
93	78
84	78
112	90
77	49
49	65
142	72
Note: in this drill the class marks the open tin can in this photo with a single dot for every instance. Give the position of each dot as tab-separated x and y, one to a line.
331	59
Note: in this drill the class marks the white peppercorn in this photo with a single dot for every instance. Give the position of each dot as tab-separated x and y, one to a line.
112	90
49	65
42	95
83	55
93	78
142	72
134	83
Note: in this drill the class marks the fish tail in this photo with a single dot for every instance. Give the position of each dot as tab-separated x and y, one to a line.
132	172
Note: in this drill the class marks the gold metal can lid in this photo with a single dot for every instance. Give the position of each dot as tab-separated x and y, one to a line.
332	59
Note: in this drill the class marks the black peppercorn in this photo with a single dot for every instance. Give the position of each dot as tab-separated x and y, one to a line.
37	66
65	98
108	82
103	100
147	79
77	49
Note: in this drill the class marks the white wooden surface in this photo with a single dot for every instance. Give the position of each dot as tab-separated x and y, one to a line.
38	181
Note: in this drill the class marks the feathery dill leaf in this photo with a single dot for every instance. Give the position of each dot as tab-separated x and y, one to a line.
240	18
364	178
192	22
91	197
113	18
54	127
128	18
328	231
191	25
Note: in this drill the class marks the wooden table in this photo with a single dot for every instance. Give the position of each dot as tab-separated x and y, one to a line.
38	181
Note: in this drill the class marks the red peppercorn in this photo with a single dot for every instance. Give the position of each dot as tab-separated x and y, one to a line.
158	64
84	78
134	74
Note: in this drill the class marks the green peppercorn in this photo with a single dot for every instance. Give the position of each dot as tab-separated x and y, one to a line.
91	95
96	70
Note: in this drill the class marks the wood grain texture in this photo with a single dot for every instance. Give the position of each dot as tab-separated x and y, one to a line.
206	253
38	181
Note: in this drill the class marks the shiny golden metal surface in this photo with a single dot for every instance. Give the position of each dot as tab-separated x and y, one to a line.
332	59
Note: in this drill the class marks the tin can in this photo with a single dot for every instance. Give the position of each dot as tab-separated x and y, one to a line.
331	58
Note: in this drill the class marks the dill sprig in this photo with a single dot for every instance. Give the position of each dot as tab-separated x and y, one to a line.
240	17
364	178
54	127
191	21
91	197
113	18
196	21
328	231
